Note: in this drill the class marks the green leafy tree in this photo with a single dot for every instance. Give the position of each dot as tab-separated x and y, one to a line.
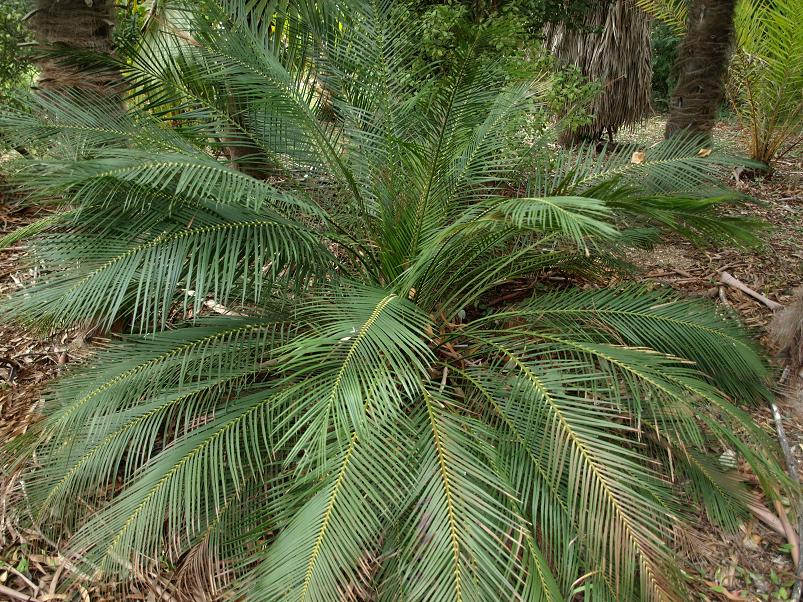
330	389
15	68
665	41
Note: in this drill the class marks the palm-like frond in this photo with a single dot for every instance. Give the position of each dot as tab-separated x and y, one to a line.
657	320
227	259
551	405
458	540
675	165
671	12
358	422
767	76
148	385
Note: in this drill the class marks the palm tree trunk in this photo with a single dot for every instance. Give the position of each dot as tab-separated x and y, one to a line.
610	46
82	25
701	65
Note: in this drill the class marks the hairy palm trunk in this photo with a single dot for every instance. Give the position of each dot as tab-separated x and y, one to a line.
612	47
82	25
701	65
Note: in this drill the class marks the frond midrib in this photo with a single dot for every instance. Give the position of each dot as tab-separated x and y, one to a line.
586	454
327	515
447	489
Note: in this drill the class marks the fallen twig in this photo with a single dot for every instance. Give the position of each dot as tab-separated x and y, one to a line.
726	278
27	581
791	468
768	518
15	595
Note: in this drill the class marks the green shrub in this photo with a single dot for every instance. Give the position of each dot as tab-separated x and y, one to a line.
15	67
665	42
334	383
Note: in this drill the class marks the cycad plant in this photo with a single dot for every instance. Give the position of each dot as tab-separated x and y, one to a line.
363	375
766	74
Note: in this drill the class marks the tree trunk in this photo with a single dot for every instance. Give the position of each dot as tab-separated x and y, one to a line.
701	65
82	25
610	46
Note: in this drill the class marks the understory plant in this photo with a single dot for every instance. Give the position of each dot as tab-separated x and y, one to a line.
365	373
766	76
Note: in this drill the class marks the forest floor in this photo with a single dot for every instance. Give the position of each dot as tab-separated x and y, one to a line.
751	564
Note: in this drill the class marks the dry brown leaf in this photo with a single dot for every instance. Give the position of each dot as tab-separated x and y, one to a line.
638	157
704	152
724	592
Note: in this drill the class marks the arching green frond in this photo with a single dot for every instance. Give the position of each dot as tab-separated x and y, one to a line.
116	445
231	447
340	529
671	12
145	366
472	273
575	218
698	219
457	539
225	259
34	228
540	500
610	492
679	164
81	121
364	345
193	177
659	320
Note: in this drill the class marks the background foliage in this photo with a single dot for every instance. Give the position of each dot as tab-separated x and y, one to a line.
15	67
665	41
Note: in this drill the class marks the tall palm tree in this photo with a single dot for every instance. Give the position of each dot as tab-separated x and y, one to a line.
354	380
76	25
701	67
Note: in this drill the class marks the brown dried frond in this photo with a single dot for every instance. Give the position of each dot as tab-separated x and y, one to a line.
787	333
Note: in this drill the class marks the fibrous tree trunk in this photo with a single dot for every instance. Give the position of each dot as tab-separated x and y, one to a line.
610	46
74	25
700	68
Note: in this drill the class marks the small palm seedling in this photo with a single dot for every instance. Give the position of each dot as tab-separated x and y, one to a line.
371	414
766	87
